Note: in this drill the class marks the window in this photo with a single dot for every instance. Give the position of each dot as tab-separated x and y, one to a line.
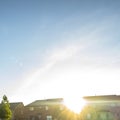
46	107
113	105
61	107
103	116
88	116
39	116
31	108
21	112
33	118
49	117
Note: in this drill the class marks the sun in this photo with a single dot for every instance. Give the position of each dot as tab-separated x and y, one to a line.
76	105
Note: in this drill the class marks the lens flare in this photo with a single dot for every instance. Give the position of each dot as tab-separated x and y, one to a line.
76	105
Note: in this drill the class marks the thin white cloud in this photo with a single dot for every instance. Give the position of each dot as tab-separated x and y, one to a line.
67	71
82	68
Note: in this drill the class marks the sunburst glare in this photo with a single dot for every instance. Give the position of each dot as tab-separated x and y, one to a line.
76	105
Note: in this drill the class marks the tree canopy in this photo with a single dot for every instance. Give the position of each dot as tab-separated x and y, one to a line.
5	112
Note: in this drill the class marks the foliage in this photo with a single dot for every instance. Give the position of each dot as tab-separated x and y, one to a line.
5	112
88	113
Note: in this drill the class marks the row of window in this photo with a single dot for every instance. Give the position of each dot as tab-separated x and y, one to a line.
101	116
105	104
46	108
48	117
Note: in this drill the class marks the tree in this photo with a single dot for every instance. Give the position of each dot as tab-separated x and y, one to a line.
89	113
5	112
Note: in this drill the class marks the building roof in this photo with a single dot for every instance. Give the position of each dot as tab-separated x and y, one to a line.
103	97
14	105
55	101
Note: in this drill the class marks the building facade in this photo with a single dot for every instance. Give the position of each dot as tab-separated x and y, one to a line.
101	108
17	109
48	109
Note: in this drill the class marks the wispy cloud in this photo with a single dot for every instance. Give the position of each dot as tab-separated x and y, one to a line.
69	70
85	65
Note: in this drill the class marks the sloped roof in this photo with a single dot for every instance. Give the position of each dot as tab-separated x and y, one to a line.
45	102
103	97
14	105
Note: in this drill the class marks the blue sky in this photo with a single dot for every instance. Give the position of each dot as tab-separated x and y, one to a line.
59	48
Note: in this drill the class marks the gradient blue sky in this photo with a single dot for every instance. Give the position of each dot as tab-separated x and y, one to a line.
59	48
